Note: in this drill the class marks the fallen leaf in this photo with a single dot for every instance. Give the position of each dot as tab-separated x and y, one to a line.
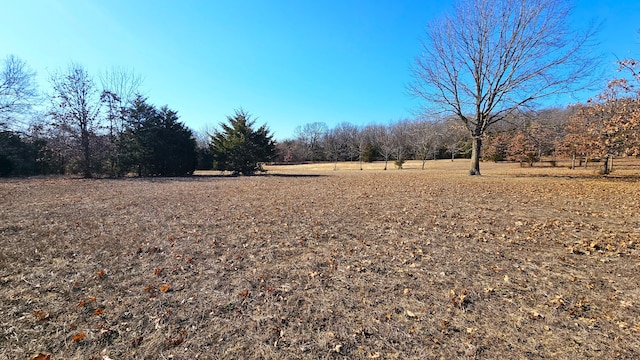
79	336
41	356
40	315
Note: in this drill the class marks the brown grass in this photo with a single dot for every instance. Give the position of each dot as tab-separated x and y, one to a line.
518	263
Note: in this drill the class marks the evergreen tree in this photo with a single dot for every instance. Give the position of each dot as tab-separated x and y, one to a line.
239	148
23	156
134	156
171	144
156	143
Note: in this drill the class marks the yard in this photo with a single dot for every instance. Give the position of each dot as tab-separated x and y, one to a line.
306	262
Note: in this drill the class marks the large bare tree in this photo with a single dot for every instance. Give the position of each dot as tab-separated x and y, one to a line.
18	90
120	87
75	107
487	59
311	135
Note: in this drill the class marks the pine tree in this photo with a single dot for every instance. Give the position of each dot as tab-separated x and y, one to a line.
239	148
156	143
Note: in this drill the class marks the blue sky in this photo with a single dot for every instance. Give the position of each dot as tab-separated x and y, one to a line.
286	62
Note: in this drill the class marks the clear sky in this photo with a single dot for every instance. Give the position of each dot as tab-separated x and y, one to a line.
287	62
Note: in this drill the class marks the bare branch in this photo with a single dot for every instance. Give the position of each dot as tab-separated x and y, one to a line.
18	90
489	58
124	83
75	108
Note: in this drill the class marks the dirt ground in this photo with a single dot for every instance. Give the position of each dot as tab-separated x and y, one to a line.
310	263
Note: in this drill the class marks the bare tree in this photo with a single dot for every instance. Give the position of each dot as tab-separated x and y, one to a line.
203	136
428	138
455	138
490	58
120	87
400	141
421	132
311	135
552	123
333	146
289	151
384	141
365	140
74	109
348	135
123	82
18	90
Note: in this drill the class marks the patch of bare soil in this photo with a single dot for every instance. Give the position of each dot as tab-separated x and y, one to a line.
351	264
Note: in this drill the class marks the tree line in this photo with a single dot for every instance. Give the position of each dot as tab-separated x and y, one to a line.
87	129
604	127
112	130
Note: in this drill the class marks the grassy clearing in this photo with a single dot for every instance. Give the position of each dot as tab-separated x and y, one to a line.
313	263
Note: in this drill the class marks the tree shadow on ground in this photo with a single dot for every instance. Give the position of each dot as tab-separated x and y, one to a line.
259	175
206	177
190	178
610	177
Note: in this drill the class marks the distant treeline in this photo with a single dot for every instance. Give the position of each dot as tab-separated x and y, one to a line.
112	131
526	137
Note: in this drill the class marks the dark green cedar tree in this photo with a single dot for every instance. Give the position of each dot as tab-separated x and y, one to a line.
240	148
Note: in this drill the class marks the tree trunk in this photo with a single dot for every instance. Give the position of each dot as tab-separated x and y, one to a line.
475	156
573	162
86	153
608	165
424	160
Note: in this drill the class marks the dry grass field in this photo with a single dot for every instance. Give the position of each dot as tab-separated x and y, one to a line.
310	263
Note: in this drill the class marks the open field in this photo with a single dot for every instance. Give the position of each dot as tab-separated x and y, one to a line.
312	263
